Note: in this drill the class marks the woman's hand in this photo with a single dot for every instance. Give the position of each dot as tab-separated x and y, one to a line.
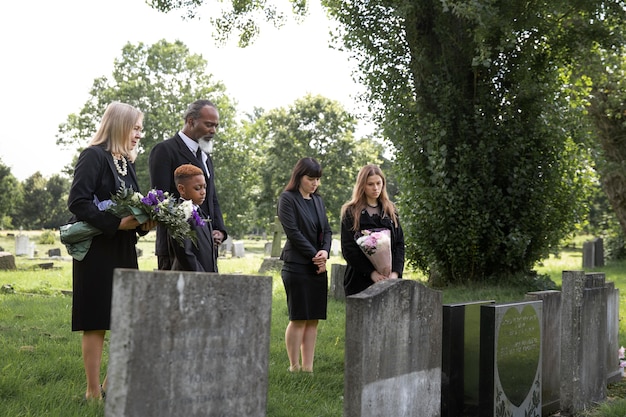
128	223
376	276
320	261
149	225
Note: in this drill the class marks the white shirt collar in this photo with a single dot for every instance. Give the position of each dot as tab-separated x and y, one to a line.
191	144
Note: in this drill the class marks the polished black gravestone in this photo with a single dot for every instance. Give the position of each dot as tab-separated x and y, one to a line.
510	360
460	355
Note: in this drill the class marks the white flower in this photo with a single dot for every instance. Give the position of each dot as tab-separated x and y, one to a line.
187	208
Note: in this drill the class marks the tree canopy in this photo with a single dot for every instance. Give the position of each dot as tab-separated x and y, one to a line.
471	95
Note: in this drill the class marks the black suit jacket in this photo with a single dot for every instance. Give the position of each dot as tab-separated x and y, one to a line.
304	239
199	257
164	158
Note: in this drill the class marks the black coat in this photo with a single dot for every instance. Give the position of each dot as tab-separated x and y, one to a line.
197	256
359	268
304	240
164	158
92	278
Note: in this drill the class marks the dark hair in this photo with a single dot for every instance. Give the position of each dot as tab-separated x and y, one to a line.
305	166
194	108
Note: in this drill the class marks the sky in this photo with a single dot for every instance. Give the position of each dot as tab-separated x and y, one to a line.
53	50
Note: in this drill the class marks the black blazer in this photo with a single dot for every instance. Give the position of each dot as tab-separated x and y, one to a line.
164	158
304	240
97	176
194	257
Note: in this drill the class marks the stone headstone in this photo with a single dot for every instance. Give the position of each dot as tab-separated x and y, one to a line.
335	247
277	233
614	372
226	246
583	341
337	272
460	356
238	249
188	344
270	265
593	253
393	351
267	250
510	359
54	252
22	245
7	261
550	349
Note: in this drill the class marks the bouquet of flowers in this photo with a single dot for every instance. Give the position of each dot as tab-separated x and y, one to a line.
376	244
156	205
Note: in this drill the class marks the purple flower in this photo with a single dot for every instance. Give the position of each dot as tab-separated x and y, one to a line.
197	220
150	199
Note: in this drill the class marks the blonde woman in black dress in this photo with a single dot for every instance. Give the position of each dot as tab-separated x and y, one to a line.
303	216
101	168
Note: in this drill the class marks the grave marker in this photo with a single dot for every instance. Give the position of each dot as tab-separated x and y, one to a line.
510	359
188	344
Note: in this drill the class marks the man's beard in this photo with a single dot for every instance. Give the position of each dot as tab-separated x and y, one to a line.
206	145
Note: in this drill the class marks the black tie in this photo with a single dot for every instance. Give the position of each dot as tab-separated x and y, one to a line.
199	156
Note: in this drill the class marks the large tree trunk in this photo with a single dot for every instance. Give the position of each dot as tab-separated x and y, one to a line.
612	139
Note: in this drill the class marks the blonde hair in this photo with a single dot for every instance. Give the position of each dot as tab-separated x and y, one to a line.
358	202
117	124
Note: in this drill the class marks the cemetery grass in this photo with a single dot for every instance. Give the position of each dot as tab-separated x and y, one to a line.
41	370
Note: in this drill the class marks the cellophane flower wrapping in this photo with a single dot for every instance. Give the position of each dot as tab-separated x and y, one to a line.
376	245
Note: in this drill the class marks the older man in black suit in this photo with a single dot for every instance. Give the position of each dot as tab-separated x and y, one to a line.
186	147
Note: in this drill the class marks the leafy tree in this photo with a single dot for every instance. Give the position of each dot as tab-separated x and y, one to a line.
162	80
607	107
469	94
57	214
316	127
10	196
36	204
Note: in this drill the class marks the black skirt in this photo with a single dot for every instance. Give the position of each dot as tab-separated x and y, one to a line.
307	292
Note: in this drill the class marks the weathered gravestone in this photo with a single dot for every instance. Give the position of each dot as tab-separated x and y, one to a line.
226	246
273	262
22	245
54	252
393	351
238	249
277	232
593	253
188	344
510	360
337	272
7	261
550	349
583	341
614	372
460	356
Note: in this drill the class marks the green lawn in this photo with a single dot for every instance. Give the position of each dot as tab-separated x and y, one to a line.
40	360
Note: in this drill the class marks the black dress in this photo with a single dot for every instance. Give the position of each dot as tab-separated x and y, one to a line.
92	278
307	229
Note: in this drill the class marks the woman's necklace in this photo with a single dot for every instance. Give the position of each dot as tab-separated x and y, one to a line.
372	205
121	165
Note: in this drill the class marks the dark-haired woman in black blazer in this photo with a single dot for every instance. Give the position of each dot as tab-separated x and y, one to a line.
303	216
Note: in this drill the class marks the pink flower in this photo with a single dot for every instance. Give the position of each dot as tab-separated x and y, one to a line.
376	245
